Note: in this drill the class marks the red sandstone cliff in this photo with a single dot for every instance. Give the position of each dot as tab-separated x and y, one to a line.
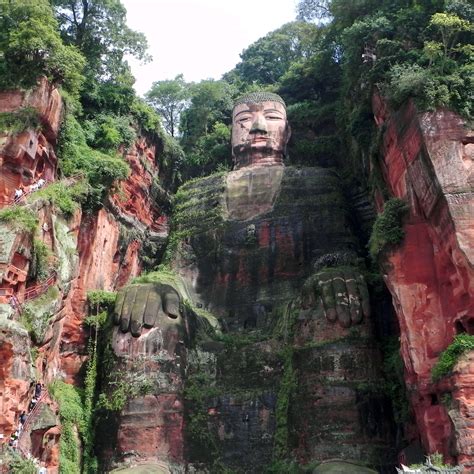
427	160
100	251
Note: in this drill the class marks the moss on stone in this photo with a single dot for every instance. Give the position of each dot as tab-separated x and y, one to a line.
37	313
388	229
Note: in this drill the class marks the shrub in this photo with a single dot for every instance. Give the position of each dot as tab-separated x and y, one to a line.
101	298
407	80
71	414
100	169
108	132
461	344
20	120
145	116
19	218
388	228
40	262
18	465
63	196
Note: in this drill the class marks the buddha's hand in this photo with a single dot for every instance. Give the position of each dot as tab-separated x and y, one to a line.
147	305
339	293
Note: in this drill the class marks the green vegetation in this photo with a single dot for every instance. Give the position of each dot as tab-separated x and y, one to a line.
64	196
31	47
40	268
121	385
388	229
394	385
461	344
108	132
101	299
169	100
17	464
19	120
37	313
90	465
20	218
71	414
436	459
287	387
198	390
99	169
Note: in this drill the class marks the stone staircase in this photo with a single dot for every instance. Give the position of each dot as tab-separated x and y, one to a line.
24	441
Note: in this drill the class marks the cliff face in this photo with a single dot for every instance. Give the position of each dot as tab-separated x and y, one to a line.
260	344
276	358
85	252
427	161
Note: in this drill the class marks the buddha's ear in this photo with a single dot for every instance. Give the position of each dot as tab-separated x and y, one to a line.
288	136
288	133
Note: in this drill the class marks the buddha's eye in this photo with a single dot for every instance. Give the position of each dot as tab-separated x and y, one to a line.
244	119
273	117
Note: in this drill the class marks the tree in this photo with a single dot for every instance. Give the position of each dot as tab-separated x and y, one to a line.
169	98
98	28
210	102
449	27
30	46
308	10
266	60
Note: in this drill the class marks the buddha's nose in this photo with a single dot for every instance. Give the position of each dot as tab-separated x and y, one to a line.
259	125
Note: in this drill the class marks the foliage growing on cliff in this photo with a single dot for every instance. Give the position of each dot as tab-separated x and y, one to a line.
198	390
388	229
40	267
64	196
461	344
436	459
393	370
71	414
17	464
37	313
19	120
88	426
287	386
20	218
30	47
101	299
101	170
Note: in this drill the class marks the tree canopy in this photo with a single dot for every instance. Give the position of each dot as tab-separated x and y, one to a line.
169	98
30	47
99	30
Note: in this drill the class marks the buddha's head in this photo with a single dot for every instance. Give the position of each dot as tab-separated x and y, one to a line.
260	130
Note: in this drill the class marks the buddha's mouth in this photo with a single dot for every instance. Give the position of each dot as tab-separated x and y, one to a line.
260	139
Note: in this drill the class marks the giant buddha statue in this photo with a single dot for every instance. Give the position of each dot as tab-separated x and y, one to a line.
262	262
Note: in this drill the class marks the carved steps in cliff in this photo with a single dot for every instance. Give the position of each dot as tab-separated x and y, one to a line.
24	443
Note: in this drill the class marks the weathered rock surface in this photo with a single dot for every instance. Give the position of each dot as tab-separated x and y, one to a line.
427	161
246	243
16	372
102	251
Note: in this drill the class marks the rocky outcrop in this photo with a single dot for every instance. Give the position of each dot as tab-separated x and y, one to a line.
27	151
426	160
16	372
88	251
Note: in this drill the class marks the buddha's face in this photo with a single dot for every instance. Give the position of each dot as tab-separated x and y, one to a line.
259	133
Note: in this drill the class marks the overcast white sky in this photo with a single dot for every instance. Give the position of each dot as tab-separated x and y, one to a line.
200	38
